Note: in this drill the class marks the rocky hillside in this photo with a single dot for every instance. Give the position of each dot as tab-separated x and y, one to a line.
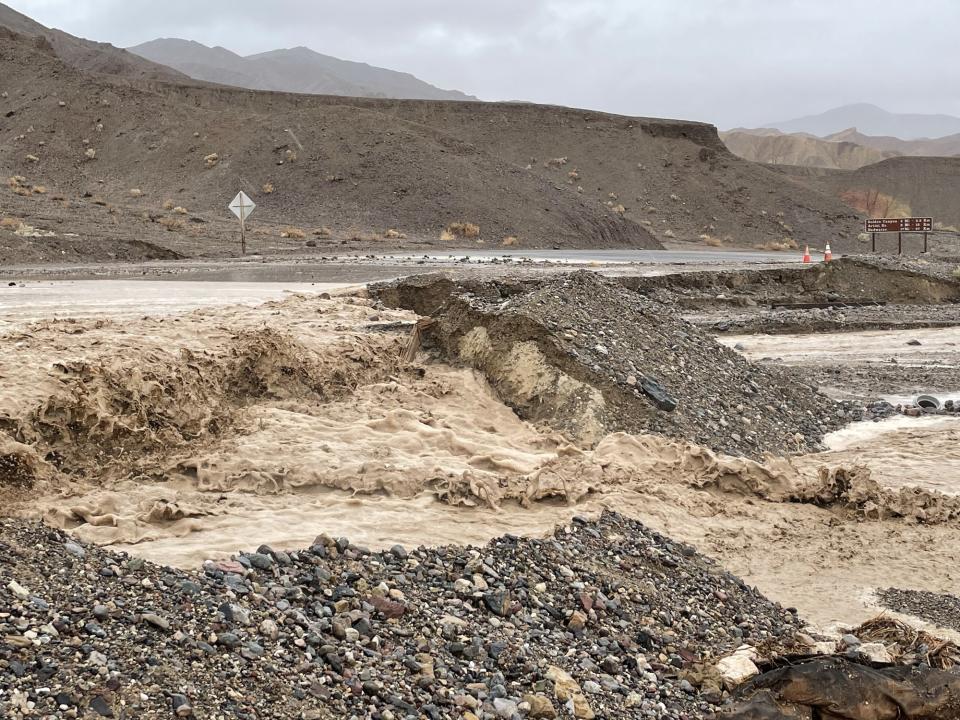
846	150
902	186
299	70
123	154
801	149
947	146
85	54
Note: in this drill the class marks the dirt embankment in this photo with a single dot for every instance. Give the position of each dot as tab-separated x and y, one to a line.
845	281
108	159
588	356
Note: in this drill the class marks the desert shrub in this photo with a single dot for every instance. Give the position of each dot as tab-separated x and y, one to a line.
32	158
509	241
211	160
180	210
323	232
267	188
168	205
136	192
99	201
461	230
39	190
392	234
18	184
171	224
956	272
90	153
9	223
711	240
574	175
556	162
669	234
292	232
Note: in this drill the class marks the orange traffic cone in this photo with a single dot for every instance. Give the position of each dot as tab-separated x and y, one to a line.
827	255
806	254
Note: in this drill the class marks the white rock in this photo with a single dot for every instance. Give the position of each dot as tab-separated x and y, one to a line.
19	590
875	652
736	669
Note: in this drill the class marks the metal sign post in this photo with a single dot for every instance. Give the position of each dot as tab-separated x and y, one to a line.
242	206
899	226
910	224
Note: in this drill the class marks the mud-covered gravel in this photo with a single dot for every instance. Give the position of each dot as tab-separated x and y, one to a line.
605	618
830	319
940	609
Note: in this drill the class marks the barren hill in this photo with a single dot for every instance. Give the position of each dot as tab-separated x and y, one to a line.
846	150
299	70
902	186
801	149
947	146
540	176
85	54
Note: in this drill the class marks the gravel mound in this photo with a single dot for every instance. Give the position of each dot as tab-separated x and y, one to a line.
604	619
587	356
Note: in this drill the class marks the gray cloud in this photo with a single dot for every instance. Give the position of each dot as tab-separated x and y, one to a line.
731	62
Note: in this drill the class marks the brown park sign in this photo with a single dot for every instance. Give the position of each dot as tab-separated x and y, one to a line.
913	224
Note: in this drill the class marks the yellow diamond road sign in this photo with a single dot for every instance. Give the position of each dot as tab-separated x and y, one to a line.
242	206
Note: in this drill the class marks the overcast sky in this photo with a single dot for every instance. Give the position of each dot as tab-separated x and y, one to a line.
729	62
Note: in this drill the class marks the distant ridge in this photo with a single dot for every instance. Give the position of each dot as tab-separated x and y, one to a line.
299	70
872	120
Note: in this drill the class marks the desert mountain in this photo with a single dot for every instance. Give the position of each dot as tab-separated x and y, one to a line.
948	146
299	70
872	120
542	176
773	147
87	55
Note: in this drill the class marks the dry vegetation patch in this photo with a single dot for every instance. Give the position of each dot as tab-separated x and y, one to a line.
460	230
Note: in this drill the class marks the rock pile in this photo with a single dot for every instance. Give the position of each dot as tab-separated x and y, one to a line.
588	356
605	618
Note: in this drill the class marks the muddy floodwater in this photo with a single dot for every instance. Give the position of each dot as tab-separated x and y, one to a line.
423	454
30	301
